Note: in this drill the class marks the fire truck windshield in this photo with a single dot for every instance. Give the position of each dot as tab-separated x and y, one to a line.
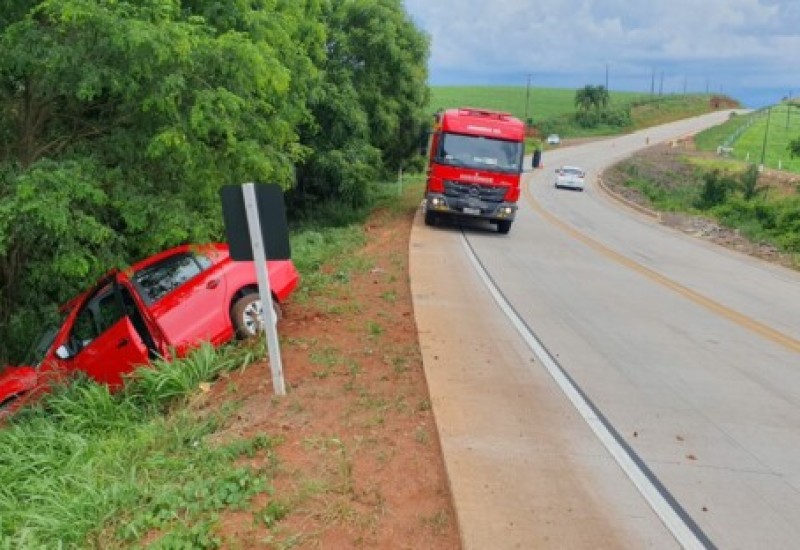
478	152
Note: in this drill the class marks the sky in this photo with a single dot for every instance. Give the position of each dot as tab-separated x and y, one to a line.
748	49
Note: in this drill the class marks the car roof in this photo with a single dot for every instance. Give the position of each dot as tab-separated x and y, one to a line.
567	167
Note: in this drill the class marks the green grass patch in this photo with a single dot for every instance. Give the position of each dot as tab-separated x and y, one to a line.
660	110
754	140
89	468
543	103
667	200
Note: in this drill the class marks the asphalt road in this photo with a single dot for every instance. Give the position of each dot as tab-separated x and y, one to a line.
687	353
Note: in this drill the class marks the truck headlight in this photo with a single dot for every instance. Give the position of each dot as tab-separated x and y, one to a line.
437	202
505	211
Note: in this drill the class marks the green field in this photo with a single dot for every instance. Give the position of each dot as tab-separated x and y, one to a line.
543	103
746	135
551	109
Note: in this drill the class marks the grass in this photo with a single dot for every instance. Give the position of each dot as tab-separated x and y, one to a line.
551	109
91	468
543	103
746	135
649	112
718	189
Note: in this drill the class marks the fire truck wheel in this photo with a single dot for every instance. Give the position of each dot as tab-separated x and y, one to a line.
430	218
503	226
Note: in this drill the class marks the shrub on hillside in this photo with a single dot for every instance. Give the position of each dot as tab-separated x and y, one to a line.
716	188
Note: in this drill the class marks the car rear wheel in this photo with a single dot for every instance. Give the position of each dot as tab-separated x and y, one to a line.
246	315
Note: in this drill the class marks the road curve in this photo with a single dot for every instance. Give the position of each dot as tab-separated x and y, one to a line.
690	352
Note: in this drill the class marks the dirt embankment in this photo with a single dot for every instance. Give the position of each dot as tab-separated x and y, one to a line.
668	166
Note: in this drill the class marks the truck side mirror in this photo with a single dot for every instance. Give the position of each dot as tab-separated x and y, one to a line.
423	141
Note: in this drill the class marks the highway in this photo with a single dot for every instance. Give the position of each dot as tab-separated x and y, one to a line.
663	408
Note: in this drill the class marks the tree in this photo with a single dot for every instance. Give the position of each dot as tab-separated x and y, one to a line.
120	121
716	188
794	147
368	111
584	98
592	97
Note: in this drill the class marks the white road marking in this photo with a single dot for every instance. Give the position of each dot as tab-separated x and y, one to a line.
674	518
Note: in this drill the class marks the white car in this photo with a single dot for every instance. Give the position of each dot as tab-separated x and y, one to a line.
553	139
571	177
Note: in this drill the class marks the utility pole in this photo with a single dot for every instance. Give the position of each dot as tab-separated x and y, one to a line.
527	96
653	82
606	76
661	84
766	131
788	108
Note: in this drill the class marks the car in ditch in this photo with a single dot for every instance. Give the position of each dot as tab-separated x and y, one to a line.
570	177
162	306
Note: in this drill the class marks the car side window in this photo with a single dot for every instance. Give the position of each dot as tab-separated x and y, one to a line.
165	276
99	314
83	330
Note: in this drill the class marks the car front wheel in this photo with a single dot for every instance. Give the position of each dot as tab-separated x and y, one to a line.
246	315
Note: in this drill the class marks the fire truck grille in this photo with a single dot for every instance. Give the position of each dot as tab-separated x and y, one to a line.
488	193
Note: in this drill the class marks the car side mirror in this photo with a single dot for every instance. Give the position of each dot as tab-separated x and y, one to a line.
62	352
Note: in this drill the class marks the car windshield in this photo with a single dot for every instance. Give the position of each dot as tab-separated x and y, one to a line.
483	153
572	172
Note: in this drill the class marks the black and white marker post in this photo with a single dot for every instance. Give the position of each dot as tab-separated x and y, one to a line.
264	236
264	290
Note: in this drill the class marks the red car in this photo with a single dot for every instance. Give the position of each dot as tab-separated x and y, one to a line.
160	307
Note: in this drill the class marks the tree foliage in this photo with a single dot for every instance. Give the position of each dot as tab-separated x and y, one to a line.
717	186
593	109
592	98
120	120
368	111
794	147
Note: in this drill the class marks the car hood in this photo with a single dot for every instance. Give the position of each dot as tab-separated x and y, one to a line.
16	380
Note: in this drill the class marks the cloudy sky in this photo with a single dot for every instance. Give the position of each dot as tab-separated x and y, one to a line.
749	49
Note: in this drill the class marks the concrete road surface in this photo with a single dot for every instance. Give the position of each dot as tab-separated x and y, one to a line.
663	408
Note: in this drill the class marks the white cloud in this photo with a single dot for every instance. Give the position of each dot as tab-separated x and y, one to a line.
721	40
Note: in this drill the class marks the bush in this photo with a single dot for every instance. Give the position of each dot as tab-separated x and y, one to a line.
715	190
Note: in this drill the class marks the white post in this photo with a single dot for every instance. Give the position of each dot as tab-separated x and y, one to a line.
400	182
260	261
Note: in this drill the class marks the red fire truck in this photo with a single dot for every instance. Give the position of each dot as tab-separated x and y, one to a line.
474	166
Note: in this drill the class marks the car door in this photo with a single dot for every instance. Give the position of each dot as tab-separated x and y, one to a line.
103	341
188	299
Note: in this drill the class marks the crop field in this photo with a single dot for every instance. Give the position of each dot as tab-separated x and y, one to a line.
551	109
543	103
